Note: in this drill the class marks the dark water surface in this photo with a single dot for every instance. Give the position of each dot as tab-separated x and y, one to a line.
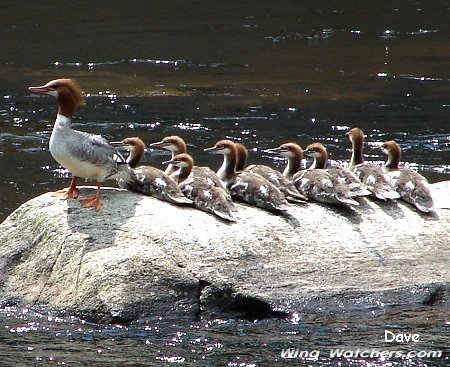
29	338
257	71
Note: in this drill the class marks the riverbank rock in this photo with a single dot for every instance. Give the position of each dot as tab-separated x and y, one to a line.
140	257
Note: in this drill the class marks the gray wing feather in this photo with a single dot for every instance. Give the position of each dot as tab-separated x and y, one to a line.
96	149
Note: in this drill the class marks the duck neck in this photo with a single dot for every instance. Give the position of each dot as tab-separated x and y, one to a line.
66	105
228	167
319	162
357	152
241	159
171	169
293	166
181	174
135	156
393	160
63	121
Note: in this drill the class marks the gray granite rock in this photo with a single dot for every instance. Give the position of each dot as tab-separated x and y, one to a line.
141	257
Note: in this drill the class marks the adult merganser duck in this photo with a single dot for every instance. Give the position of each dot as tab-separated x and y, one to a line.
84	155
149	180
370	174
247	186
411	185
315	184
177	145
196	186
270	174
339	174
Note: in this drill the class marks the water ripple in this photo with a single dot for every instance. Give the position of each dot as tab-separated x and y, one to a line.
191	126
39	337
149	61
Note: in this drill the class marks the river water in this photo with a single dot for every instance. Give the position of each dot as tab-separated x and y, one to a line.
36	338
260	72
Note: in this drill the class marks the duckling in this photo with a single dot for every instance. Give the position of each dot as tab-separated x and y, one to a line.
315	184
272	175
411	185
177	145
247	186
242	157
149	180
197	187
294	155
370	174
339	174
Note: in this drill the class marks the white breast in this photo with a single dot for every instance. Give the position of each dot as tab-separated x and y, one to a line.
59	149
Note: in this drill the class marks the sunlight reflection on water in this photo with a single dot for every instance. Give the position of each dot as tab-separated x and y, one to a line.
37	337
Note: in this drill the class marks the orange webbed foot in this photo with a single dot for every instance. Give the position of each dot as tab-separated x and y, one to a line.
70	192
93	201
66	193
